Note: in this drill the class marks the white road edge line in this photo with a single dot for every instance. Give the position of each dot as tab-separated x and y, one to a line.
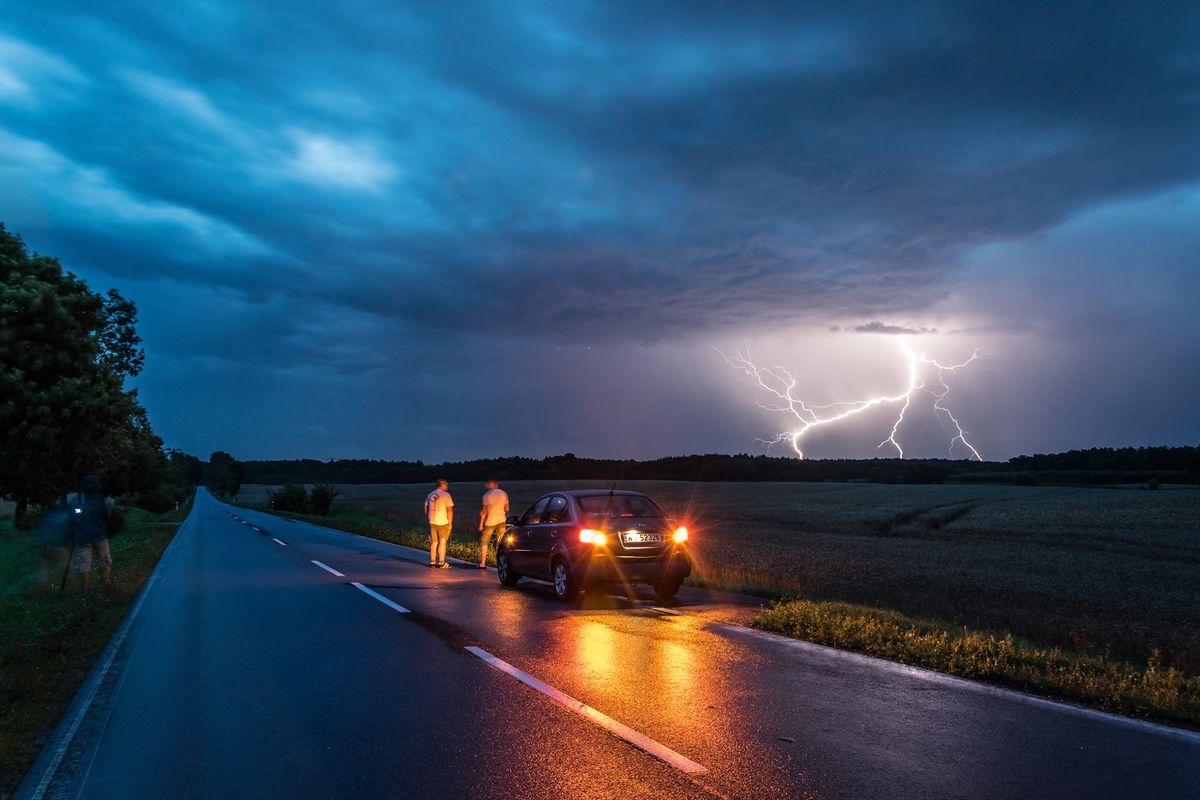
638	740
328	568
662	610
89	698
98	678
279	541
380	597
930	676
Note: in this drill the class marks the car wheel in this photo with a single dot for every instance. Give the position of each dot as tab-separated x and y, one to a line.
508	575
667	587
566	588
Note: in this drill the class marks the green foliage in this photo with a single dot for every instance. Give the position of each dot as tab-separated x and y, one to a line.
64	354
186	470
160	499
116	520
320	499
290	498
224	474
1109	683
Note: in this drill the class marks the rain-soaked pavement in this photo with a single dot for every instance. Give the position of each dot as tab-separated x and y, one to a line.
251	671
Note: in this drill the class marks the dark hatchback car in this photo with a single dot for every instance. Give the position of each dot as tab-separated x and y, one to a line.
576	539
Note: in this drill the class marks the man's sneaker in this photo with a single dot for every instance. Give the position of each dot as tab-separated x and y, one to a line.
432	564
443	565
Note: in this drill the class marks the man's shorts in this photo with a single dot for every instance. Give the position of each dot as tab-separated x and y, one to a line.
84	553
491	530
439	532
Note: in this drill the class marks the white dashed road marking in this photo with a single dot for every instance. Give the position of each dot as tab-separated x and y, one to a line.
279	541
380	597
328	569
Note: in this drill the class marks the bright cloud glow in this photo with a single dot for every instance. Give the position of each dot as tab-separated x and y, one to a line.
327	161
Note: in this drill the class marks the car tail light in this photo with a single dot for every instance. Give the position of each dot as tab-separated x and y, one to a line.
589	536
681	534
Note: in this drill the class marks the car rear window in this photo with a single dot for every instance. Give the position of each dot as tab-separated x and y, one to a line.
619	505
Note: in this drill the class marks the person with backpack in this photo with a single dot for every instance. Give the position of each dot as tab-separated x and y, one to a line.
53	539
90	520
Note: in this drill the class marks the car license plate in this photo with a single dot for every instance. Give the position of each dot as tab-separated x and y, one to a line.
638	537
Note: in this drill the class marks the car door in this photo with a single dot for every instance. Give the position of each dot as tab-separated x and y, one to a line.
520	551
554	527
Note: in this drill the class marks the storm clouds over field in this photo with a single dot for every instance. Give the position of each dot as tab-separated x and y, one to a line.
386	230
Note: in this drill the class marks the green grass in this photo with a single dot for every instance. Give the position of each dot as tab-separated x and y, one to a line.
48	643
1148	690
1096	585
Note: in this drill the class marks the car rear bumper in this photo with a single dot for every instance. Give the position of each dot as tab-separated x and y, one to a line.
604	567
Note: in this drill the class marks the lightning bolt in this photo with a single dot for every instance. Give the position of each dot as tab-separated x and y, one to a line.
780	385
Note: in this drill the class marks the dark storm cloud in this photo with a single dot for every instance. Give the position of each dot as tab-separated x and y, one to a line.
876	326
338	184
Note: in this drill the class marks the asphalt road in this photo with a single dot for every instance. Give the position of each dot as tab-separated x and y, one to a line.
247	670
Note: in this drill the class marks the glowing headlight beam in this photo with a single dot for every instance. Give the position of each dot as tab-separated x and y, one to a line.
780	384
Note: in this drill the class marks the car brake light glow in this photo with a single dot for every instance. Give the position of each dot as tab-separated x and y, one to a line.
681	534
589	536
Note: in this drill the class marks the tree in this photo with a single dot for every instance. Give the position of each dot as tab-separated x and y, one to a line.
290	498
225	474
64	354
320	499
186	470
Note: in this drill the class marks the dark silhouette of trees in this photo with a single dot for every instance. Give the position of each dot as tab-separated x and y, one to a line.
65	352
1099	466
224	474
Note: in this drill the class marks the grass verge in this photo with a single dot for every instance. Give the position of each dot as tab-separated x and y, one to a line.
1148	691
48	643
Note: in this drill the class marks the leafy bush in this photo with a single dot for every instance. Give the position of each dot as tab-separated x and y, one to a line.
159	500
320	499
116	520
290	498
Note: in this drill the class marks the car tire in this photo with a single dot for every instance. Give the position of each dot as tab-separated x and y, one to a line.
508	575
566	586
667	587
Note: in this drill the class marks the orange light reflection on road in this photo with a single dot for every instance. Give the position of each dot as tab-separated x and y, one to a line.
595	648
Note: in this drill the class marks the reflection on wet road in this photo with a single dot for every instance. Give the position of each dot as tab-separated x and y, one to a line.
385	699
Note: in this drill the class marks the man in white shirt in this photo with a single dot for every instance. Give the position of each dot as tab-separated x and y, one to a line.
492	518
439	508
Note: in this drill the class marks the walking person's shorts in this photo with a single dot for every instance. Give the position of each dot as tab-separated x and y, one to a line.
439	532
85	552
489	531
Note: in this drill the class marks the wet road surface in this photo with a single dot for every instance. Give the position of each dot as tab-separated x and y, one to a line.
250	670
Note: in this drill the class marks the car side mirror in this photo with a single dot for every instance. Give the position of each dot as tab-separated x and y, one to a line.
513	519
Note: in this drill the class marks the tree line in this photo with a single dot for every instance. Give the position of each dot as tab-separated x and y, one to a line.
1097	466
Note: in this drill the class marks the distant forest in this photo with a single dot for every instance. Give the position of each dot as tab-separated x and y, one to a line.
1151	466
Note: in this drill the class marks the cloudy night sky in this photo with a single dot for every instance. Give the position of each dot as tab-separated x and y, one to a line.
441	231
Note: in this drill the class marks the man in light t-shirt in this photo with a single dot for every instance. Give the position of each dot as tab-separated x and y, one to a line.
492	518
439	508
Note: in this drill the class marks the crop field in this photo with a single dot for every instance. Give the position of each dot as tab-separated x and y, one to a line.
1110	572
